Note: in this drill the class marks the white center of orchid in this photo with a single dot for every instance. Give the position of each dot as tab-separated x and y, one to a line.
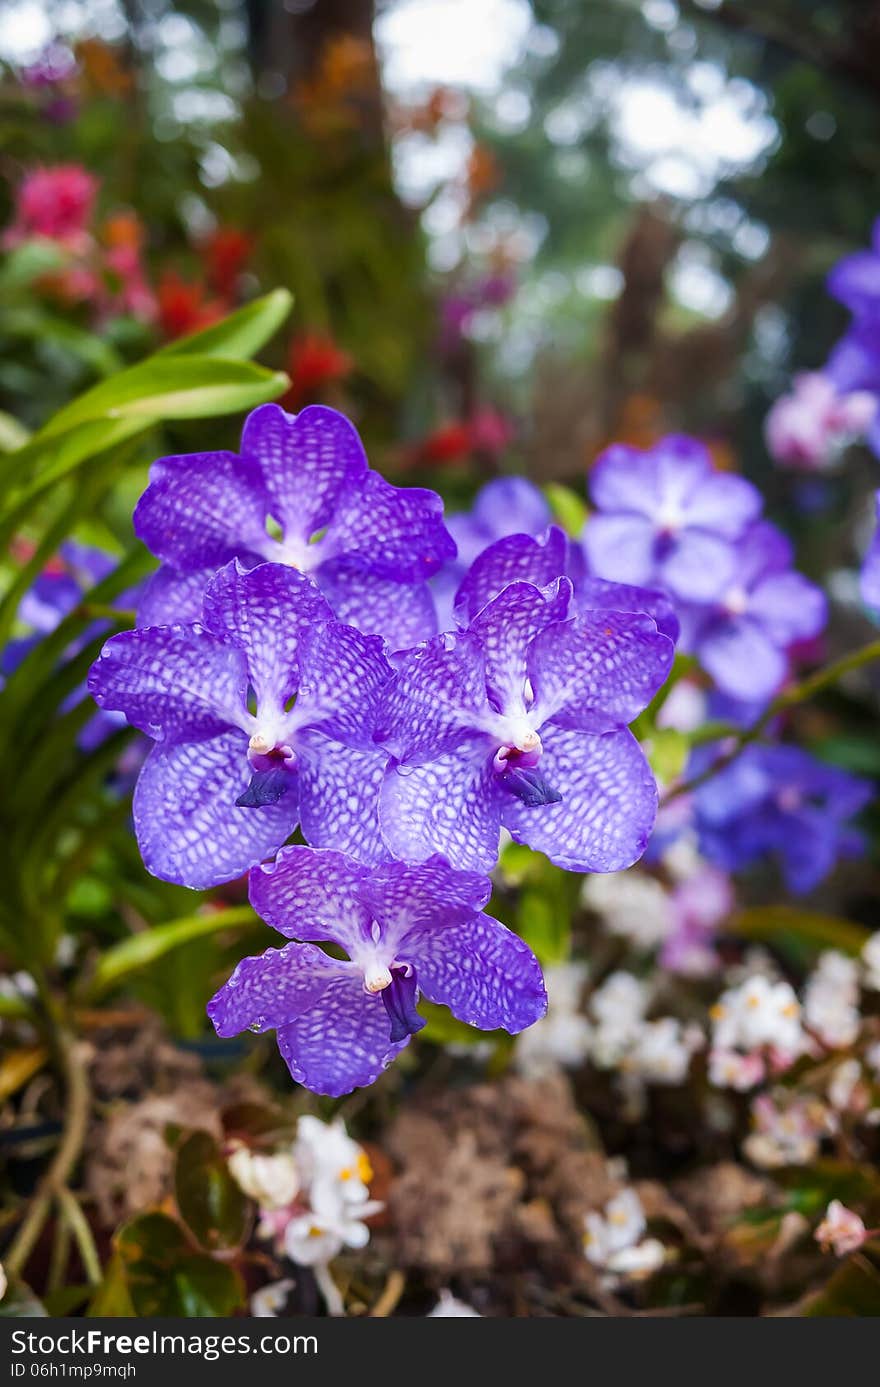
669	518
377	976
736	601
260	744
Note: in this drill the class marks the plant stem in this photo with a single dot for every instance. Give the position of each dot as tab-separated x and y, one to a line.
739	738
76	1221
73	1137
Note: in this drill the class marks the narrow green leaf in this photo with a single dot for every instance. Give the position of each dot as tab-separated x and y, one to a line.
182	387
141	950
242	334
821	931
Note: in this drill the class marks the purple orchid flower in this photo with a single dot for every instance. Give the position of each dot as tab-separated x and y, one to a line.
780	801
870	576
520	720
542	559
407	930
854	369
742	637
855	280
262	716
505	506
300	493
666	519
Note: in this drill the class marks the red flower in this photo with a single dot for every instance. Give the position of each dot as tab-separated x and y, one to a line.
313	362
450	443
184	308
225	253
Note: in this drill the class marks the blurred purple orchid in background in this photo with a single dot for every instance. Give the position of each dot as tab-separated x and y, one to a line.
742	637
666	518
520	720
407	931
299	493
779	801
262	716
505	506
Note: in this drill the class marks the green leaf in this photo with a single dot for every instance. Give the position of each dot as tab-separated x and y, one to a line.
139	951
112	1299
667	750
853	1291
211	1203
769	922
165	1277
545	925
567	507
29	262
242	334
444	1029
183	387
12	434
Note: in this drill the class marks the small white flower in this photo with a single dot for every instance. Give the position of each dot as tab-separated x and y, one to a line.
561	1039
326	1155
614	1241
270	1300
636	1263
841	1231
663	1050
730	1069
844	1082
831	1000
871	962
332	1223
273	1181
3	1282
618	1007
758	1013
448	1307
787	1131
632	905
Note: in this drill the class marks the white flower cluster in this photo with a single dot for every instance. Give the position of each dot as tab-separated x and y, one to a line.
313	1200
657	1051
614	1240
633	906
561	1039
760	1027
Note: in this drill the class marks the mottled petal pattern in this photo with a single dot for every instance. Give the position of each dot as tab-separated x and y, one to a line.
172	597
176	683
342	674
516	557
202	508
308	462
608	807
439	692
450	806
273	988
189	828
265	611
403	614
312	893
339	794
412	901
342	1043
598	671
484	973
507	625
398	530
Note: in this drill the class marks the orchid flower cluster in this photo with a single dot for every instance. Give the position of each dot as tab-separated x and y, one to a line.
313	1201
289	669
